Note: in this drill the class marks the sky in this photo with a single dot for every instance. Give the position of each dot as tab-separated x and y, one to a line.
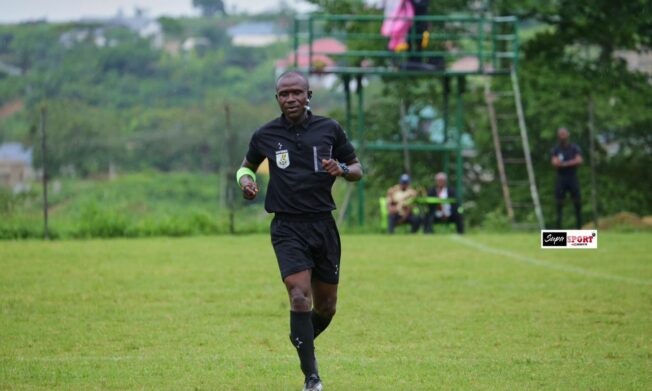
13	11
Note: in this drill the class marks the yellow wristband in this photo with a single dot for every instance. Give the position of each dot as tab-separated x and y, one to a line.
242	171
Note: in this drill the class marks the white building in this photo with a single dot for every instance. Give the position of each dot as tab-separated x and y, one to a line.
256	34
15	166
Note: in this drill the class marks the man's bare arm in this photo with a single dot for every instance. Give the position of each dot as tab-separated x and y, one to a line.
576	161
333	168
355	170
247	183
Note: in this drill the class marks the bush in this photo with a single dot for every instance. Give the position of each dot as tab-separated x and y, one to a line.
496	221
97	222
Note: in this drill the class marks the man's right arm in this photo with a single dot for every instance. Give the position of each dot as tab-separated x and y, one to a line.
555	160
391	204
247	182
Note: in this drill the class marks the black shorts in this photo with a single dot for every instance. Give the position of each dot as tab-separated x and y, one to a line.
567	185
307	242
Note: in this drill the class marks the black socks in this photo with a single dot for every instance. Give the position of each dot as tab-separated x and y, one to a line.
319	323
303	339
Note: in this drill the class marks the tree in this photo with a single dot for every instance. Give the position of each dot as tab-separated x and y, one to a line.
210	7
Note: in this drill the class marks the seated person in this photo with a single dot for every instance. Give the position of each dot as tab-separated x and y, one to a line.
399	205
443	213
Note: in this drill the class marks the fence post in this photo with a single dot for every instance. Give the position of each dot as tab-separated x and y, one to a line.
43	117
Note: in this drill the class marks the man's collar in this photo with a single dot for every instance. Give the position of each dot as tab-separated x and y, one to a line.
304	124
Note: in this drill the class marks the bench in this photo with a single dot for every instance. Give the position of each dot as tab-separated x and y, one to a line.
420	202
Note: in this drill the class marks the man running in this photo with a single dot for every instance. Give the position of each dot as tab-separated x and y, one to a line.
306	153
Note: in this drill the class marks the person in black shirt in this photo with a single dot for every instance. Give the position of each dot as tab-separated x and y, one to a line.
565	158
445	212
306	153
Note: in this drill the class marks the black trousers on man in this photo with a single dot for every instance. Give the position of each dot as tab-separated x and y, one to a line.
432	219
570	185
396	219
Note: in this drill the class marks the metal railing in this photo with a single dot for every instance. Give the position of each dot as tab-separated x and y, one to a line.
454	45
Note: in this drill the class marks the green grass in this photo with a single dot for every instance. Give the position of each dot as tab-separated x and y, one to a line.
493	312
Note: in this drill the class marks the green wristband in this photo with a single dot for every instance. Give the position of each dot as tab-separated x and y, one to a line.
242	171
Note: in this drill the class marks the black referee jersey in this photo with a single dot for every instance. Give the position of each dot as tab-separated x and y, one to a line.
298	184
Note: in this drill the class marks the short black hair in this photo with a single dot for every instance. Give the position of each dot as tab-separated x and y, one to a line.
293	73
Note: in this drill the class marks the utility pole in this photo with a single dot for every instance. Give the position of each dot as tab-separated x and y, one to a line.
404	137
46	232
228	165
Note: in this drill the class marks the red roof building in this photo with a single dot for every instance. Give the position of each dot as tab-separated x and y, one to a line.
322	46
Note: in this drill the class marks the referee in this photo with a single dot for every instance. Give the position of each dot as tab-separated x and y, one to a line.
306	153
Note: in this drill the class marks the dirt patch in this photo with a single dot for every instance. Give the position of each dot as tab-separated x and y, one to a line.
11	108
623	221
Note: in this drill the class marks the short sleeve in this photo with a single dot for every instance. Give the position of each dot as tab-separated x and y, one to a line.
577	149
554	152
254	156
343	150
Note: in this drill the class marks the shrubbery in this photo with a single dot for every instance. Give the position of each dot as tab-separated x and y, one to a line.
136	205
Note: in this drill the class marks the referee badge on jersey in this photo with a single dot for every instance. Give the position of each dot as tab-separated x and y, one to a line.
283	158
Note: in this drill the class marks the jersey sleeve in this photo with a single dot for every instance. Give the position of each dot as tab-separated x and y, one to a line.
577	150
554	151
343	150
254	155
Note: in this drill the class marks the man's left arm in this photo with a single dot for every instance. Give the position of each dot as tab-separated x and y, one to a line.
576	161
344	162
351	170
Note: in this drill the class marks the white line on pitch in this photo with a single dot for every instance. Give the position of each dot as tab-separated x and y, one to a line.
549	265
291	358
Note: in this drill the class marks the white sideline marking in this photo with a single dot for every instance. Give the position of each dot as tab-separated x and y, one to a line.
549	265
290	358
107	358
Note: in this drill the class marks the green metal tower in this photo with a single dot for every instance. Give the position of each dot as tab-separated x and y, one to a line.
454	48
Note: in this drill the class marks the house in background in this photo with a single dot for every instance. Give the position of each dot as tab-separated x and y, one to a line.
9	70
256	34
324	47
95	29
15	167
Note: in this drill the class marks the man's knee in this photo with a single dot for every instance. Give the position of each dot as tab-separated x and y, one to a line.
300	300
327	307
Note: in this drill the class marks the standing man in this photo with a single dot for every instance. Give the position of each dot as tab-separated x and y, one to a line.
444	211
306	153
565	158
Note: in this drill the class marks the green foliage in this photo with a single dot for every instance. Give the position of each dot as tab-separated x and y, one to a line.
135	56
171	26
129	104
210	7
496	221
7	201
136	205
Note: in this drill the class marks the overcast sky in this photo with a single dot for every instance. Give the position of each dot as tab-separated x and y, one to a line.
12	11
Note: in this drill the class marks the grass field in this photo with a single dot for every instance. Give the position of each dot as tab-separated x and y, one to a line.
486	312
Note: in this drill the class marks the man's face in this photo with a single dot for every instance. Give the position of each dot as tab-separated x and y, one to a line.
292	95
441	182
404	185
562	135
